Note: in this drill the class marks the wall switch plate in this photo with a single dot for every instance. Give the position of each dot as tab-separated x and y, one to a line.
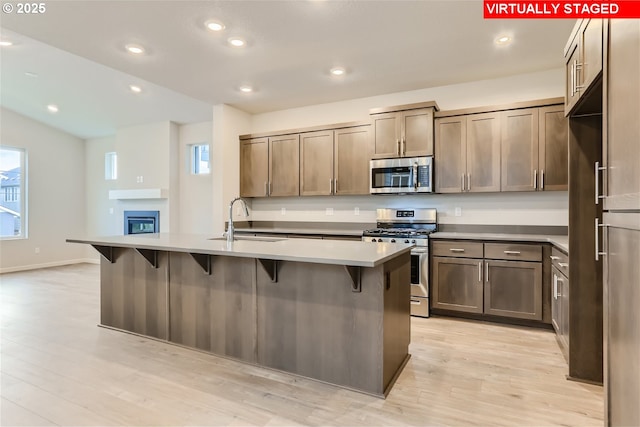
329	211
458	212
356	211
283	211
37	250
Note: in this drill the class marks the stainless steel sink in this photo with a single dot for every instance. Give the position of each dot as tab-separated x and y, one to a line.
252	238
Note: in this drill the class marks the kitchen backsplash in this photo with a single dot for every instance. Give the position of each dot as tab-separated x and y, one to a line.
544	208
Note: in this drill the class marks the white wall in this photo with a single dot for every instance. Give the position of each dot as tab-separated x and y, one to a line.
56	194
228	124
542	208
196	191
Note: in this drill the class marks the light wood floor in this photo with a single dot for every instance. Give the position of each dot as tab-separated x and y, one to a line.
58	367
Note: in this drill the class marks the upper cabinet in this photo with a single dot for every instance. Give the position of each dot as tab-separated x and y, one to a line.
621	149
517	149
320	163
403	131
583	60
269	166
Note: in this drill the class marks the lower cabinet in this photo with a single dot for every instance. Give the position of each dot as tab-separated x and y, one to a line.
496	279
513	289
560	307
457	284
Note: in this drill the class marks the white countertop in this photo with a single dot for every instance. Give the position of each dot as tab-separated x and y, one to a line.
339	252
561	242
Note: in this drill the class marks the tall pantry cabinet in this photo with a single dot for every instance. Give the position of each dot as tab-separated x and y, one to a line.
620	249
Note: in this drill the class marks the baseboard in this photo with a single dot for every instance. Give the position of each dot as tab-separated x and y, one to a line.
49	264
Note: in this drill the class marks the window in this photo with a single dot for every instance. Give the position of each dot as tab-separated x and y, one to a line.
12	192
110	166
200	159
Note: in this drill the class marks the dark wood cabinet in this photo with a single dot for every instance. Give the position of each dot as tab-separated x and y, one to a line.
254	167
494	278
451	154
483	153
513	289
519	147
316	163
403	131
583	60
457	284
553	145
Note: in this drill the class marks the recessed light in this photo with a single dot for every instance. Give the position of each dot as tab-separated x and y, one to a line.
135	49
503	40
52	108
237	42
338	71
214	25
135	89
246	89
6	43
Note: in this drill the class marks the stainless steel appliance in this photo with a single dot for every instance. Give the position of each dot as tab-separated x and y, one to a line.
401	176
411	226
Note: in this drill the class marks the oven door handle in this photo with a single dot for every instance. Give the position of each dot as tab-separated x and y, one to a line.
416	251
415	175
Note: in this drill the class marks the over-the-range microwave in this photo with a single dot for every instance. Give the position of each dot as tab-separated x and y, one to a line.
405	175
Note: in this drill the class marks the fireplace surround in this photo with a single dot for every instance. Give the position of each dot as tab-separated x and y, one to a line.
138	222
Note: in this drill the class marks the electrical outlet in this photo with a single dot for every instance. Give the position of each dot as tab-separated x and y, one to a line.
141	178
329	211
283	211
356	211
458	212
37	250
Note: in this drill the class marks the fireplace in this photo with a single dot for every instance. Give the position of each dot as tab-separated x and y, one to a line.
138	222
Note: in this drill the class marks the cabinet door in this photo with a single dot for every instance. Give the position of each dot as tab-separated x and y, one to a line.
622	144
483	152
556	298
622	319
386	135
284	165
553	144
519	145
451	154
564	292
254	167
457	284
316	163
513	289
571	94
591	61
353	151
417	132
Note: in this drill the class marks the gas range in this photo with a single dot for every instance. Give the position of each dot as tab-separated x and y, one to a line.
411	226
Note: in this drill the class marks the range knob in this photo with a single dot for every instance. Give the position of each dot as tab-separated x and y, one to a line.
393	240
413	241
373	240
379	240
406	241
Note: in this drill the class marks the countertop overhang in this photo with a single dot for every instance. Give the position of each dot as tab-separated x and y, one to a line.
337	252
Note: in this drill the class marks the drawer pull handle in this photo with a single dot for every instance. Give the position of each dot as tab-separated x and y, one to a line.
512	252
553	257
415	302
563	264
456	250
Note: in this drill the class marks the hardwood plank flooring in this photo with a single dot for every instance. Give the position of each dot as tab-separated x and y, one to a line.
58	368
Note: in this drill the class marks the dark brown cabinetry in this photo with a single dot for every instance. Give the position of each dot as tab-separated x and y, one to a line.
497	279
403	131
511	149
583	60
560	294
323	162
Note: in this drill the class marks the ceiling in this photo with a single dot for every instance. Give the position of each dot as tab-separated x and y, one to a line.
76	48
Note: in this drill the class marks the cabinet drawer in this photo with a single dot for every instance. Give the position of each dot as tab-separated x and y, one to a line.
560	260
513	251
455	248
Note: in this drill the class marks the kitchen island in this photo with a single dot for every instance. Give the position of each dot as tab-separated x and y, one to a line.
334	311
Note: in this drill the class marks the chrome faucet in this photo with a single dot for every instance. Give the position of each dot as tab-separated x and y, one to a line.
230	228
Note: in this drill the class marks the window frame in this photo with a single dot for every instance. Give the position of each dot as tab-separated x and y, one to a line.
111	166
194	159
24	213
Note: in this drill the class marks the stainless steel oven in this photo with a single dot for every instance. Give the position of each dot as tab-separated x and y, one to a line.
401	176
409	226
